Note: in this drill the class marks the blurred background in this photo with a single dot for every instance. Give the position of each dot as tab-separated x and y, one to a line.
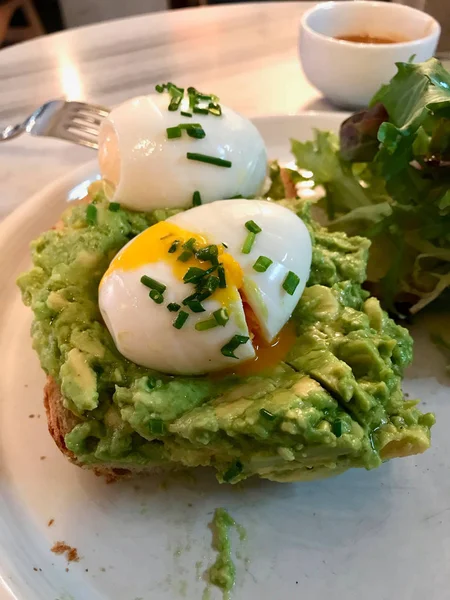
21	20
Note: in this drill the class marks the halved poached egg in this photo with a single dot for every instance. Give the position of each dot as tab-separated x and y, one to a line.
144	151
188	295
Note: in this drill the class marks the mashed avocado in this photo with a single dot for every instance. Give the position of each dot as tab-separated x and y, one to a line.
335	403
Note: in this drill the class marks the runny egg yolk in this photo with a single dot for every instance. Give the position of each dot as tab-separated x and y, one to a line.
268	355
153	246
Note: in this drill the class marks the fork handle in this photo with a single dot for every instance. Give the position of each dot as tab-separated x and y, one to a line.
12	132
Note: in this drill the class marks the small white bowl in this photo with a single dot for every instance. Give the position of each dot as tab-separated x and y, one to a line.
349	73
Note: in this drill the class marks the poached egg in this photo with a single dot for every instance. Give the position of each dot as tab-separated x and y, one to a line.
145	167
193	294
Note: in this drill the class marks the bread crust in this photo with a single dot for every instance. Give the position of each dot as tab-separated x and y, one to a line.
61	421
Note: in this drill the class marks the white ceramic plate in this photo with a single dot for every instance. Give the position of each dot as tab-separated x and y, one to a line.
374	535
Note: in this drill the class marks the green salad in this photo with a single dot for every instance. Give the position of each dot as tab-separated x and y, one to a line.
387	176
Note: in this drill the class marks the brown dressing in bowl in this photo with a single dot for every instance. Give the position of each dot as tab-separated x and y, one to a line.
369	39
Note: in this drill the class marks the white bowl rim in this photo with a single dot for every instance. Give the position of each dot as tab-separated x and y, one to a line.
406	9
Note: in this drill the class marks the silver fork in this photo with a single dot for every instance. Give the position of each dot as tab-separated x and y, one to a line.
75	122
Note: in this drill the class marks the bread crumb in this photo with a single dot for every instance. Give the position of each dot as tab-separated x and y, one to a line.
63	548
67	569
50	523
31	416
102	569
34	568
43	457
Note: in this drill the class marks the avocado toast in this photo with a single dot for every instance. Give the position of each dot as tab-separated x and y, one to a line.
333	403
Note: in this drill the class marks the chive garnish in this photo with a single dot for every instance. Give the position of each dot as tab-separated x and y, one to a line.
234	471
253	227
151	383
185	256
249	241
197	133
205	325
235	342
221	316
174	246
185	114
175	103
267	414
180	319
173	132
208	253
221	275
159	88
195	305
189	245
212	160
156	426
196	199
194	275
156	296
153	284
291	282
224	245
114	206
262	264
215	109
338	428
200	111
173	307
91	214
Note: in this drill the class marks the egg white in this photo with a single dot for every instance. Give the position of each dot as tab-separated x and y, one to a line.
150	171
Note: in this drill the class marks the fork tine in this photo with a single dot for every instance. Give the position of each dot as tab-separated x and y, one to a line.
89	109
86	119
79	127
77	137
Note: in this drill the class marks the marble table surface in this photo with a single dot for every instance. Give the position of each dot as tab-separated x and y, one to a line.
245	53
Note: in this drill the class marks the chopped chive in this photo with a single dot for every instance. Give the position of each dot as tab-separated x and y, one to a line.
114	206
212	283
151	383
205	325
262	264
234	471
208	253
249	241
156	426
212	160
235	342
189	125
173	132
221	316
153	284
267	414
224	245
181	319
201	96
185	114
156	296
189	245
191	90
159	88
196	132
200	111
196	199
174	246
175	102
215	109
253	227
222	277
173	307
338	428
291	282
91	214
185	256
195	305
174	90
194	275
